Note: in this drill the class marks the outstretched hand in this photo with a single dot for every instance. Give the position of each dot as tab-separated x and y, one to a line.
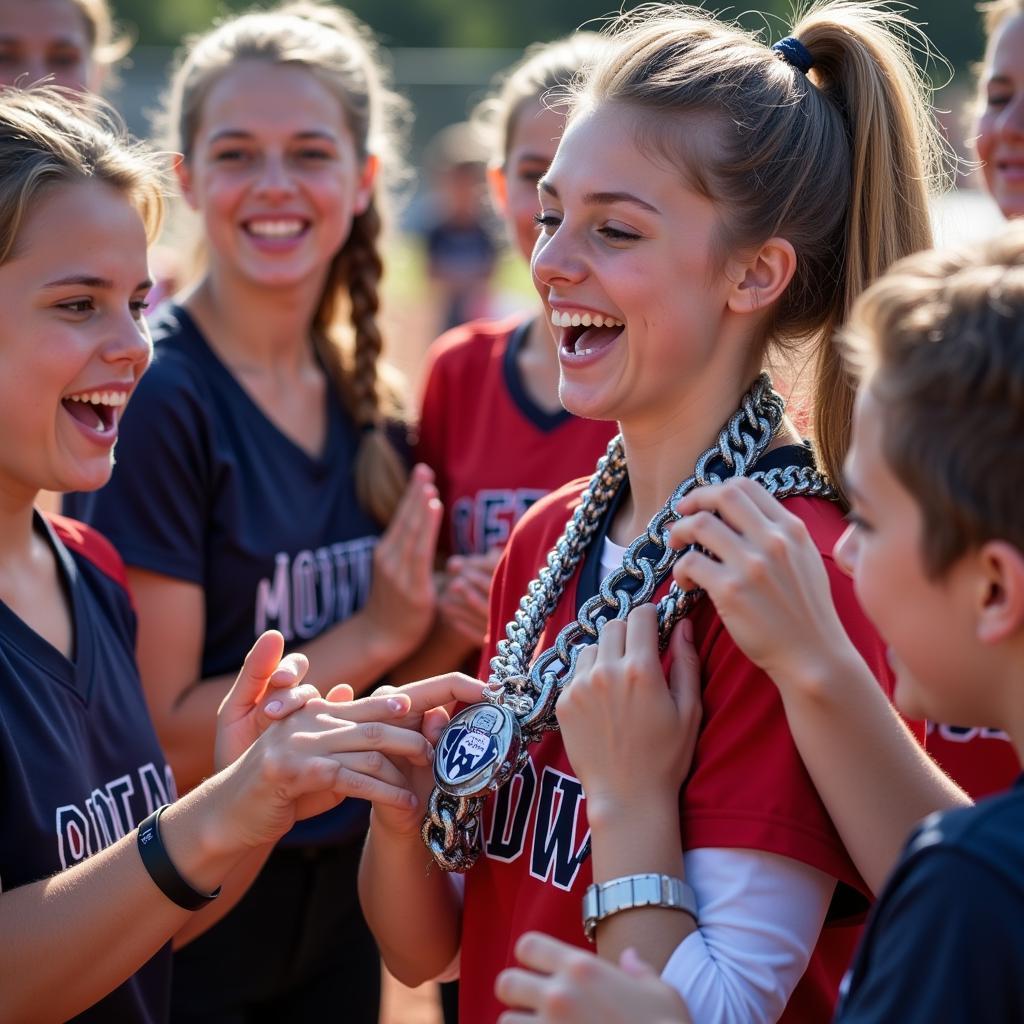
562	984
268	687
765	576
619	700
424	712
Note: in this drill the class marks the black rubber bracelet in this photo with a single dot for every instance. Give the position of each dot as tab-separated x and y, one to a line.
162	870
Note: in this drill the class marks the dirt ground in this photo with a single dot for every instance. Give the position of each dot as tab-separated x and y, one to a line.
409	1005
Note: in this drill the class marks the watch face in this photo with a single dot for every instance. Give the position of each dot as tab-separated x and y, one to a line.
478	750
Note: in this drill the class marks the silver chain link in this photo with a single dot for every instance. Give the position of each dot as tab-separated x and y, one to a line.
451	829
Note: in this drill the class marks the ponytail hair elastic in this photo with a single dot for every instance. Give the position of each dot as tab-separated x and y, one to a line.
794	53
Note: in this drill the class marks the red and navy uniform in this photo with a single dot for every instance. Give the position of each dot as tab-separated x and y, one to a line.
80	765
747	789
493	449
980	760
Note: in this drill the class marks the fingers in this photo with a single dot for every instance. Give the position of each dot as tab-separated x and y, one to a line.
440	690
611	644
519	988
434	723
251	681
741	502
284	703
340	693
634	966
684	674
543	953
365	787
641	640
389	739
585	662
290	672
387	703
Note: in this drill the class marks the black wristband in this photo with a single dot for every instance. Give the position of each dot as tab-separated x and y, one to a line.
163	872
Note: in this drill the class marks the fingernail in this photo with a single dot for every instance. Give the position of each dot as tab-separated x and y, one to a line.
272	707
394	704
687	627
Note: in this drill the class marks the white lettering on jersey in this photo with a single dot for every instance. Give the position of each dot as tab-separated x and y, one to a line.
556	850
966	734
484	521
312	589
108	812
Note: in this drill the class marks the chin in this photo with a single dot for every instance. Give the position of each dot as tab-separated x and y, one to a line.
585	404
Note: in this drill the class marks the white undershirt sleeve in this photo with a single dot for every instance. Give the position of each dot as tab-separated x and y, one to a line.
759	918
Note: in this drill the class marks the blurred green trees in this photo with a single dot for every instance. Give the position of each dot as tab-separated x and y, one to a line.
953	25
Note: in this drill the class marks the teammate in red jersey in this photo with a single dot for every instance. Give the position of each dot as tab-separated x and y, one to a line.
491	424
701	197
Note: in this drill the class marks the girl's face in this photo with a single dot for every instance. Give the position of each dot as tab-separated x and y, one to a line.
1001	124
275	175
534	139
626	245
73	340
46	37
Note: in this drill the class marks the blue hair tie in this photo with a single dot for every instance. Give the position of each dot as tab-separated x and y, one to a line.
793	52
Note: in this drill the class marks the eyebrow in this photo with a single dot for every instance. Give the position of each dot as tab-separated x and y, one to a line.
88	281
602	198
238	133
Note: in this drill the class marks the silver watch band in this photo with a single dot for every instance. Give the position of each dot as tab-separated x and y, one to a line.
607	898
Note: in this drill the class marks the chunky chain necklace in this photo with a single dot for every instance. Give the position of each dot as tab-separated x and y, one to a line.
486	744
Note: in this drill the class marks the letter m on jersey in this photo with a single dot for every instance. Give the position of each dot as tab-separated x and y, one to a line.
557	853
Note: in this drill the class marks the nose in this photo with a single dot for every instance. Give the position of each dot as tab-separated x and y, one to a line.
128	345
274	180
845	550
557	260
1012	121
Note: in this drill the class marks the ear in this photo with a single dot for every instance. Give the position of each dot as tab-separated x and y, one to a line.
1001	604
761	280
367	180
183	172
498	185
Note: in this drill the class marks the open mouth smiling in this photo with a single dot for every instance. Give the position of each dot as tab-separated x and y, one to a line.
585	333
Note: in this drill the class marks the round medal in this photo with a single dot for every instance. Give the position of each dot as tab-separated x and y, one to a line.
478	751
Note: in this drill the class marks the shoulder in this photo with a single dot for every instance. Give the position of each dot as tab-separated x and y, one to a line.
90	544
544	521
991	832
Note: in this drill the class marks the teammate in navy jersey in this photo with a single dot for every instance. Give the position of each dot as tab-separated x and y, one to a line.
86	913
935	537
261	466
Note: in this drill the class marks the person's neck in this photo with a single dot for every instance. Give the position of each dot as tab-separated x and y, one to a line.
252	329
661	452
17	538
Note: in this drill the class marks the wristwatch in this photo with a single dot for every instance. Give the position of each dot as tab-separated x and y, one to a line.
607	898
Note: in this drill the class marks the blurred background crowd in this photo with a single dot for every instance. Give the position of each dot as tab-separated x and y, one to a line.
448	262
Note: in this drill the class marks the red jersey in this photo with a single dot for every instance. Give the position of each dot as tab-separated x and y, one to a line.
982	761
493	449
747	788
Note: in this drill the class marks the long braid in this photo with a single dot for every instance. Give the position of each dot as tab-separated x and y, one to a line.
380	472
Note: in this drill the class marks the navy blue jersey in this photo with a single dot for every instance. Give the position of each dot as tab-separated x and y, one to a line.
80	765
945	943
207	489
